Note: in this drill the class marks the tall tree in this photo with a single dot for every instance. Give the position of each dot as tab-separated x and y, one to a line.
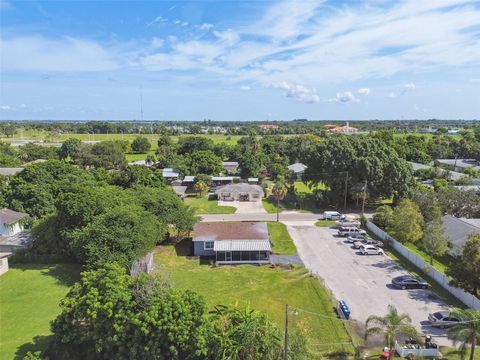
408	223
279	190
141	145
391	325
465	271
467	331
70	148
433	242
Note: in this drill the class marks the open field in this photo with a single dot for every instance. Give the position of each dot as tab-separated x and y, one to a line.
280	238
30	297
204	206
264	288
305	196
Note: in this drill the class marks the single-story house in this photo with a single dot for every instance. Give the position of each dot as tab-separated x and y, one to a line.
230	166
458	164
452	175
298	169
240	192
21	240
223	180
457	231
11	222
180	191
4	262
252	180
233	242
170	174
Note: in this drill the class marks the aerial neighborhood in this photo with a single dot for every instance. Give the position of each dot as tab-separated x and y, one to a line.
239	180
237	223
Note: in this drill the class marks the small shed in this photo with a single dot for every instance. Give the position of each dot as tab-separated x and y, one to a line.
230	166
4	262
240	192
180	191
298	169
233	242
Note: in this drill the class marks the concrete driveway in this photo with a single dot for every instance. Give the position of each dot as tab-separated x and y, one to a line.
245	207
363	281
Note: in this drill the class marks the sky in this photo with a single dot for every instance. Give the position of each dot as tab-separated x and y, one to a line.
240	60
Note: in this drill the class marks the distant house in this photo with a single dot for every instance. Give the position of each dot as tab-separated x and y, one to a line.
170	174
10	171
268	126
223	180
252	180
230	167
240	192
457	231
346	129
458	164
298	169
4	262
233	242
180	191
452	175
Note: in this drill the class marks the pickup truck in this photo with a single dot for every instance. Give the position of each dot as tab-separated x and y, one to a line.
347	230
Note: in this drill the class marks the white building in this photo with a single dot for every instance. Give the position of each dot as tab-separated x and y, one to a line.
10	222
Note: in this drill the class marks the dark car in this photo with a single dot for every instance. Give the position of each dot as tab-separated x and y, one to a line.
409	282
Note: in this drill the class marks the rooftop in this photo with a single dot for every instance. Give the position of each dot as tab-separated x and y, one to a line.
240	188
242	245
22	239
8	216
297	167
221	231
458	229
10	171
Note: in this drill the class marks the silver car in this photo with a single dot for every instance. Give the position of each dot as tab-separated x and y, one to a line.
370	250
355	237
443	319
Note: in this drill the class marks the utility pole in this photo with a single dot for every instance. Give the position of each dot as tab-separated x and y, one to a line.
285	351
346	191
364	196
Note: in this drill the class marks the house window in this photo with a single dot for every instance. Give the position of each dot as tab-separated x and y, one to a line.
208	245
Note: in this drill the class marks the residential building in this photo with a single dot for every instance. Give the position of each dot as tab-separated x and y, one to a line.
240	192
11	222
4	262
231	167
233	242
10	171
346	129
268	126
457	231
458	164
298	169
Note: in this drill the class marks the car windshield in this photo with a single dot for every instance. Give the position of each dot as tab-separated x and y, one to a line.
438	315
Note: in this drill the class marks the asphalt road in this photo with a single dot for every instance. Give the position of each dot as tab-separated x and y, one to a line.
286	216
363	281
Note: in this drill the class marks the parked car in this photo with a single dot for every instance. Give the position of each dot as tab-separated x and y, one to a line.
367	241
349	223
355	237
409	282
350	230
442	319
370	250
333	215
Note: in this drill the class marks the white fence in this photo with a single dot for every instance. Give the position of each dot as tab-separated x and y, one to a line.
144	264
468	299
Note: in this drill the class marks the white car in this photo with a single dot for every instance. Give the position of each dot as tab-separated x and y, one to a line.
355	237
370	250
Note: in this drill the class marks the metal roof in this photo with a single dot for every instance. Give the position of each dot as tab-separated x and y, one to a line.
229	163
10	171
241	188
8	216
297	167
242	245
224	178
189	178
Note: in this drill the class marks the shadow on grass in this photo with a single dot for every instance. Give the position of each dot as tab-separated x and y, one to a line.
37	345
184	247
65	274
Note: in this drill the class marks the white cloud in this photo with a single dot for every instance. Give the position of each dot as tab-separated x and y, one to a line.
206	26
156	43
228	37
364	91
409	86
5	107
158	19
299	92
64	54
392	95
345	97
245	88
23	106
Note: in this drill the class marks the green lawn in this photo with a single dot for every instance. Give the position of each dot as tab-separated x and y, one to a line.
306	199
280	238
30	296
204	206
264	288
325	223
440	263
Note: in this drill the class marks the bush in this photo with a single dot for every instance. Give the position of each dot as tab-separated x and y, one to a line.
383	217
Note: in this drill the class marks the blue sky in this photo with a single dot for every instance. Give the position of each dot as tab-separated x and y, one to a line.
232	60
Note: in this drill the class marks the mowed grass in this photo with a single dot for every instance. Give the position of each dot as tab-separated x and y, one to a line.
264	288
280	238
440	263
29	301
305	197
202	206
325	223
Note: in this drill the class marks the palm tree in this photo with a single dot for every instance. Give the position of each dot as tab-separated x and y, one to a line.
467	331
279	191
391	325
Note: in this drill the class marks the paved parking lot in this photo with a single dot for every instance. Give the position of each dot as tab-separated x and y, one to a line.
363	281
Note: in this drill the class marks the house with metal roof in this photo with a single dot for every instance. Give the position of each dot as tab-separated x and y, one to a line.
230	167
11	222
233	242
458	164
457	231
298	169
10	171
240	192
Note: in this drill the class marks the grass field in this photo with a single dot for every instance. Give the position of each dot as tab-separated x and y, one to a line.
306	199
280	238
325	223
204	206
440	263
29	300
264	288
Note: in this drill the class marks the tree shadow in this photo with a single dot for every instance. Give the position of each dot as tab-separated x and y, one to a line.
184	247
65	274
38	344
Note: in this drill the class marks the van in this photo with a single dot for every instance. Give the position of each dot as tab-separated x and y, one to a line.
332	215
